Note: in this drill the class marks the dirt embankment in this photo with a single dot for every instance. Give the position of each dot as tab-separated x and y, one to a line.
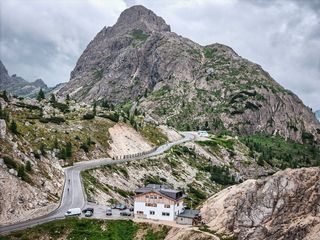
125	140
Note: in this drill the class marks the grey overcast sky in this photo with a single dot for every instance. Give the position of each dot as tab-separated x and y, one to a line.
44	38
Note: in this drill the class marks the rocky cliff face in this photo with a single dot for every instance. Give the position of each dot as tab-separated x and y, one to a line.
180	83
282	206
17	85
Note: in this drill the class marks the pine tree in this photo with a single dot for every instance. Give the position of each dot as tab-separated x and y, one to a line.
13	127
94	108
68	150
40	95
53	98
43	149
56	144
28	166
21	172
4	95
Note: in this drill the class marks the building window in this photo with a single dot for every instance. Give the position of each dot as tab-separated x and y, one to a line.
150	204
177	204
147	196
166	206
152	212
160	197
139	212
165	214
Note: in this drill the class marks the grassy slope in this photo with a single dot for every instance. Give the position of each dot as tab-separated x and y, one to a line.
90	229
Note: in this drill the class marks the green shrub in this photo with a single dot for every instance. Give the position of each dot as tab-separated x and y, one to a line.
27	106
138	34
220	174
4	114
86	145
10	163
43	149
53	119
28	166
112	116
152	180
306	136
21	172
36	155
13	127
88	116
66	151
61	106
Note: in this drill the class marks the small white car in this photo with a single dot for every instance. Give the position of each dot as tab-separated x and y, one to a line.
73	212
88	214
109	211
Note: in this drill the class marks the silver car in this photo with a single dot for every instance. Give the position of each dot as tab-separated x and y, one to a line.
88	214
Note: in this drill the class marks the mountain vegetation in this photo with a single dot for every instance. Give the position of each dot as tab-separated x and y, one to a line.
92	229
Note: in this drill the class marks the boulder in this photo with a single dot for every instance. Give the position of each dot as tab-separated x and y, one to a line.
13	172
3	129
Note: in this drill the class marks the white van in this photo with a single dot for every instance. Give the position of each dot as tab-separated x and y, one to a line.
73	212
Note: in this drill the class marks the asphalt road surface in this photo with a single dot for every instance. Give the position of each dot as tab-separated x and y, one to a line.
73	193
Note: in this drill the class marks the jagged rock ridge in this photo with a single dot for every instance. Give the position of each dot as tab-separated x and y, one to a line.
17	85
183	84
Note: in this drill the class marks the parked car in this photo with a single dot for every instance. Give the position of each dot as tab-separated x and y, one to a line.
125	214
73	212
88	209
88	214
120	207
109	211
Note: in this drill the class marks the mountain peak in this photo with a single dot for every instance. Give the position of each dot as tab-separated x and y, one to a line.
139	17
3	69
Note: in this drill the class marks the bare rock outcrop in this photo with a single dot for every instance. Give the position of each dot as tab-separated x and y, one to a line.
3	128
283	206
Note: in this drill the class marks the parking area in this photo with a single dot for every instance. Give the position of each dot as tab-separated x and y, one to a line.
100	212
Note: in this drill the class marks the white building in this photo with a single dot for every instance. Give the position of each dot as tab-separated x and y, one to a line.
158	202
203	134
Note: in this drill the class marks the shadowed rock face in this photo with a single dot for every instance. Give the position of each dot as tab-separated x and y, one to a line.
180	83
283	206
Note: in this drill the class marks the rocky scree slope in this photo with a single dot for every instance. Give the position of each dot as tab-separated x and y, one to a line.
18	86
183	84
282	206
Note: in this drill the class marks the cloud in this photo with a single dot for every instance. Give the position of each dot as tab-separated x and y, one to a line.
45	38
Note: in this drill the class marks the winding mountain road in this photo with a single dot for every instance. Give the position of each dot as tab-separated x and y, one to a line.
73	195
